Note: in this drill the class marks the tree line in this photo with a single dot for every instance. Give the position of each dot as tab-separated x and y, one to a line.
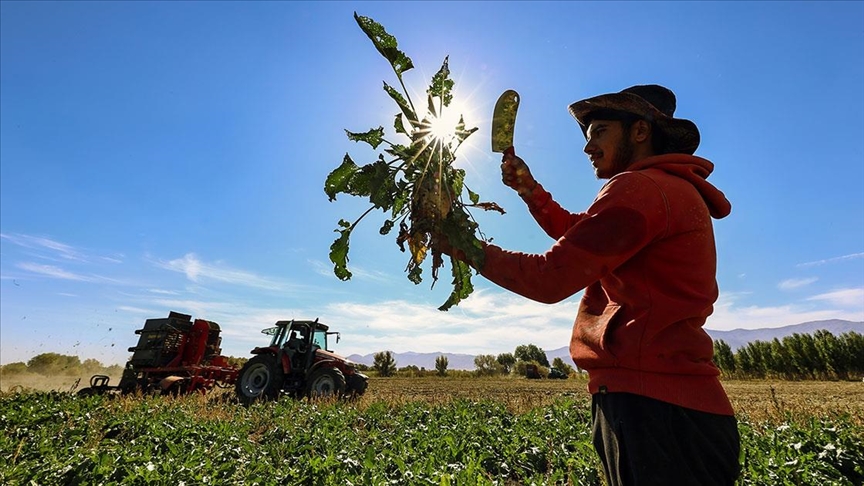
820	356
54	364
515	363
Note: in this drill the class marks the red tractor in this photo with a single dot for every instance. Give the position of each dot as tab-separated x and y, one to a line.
297	362
173	355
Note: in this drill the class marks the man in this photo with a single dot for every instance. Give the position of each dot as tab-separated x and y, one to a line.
644	254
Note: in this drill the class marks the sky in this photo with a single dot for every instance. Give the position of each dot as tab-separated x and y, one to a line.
171	156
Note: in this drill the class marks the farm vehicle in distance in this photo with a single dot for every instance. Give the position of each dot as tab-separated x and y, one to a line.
173	355
176	355
298	363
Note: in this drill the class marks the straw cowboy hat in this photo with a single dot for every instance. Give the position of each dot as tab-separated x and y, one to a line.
653	103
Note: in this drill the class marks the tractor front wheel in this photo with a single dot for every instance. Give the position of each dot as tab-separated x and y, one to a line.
259	379
325	382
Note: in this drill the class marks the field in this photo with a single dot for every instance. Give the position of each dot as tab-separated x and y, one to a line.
403	431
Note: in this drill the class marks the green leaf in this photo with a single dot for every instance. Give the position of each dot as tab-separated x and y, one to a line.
441	85
373	137
385	43
414	274
385	229
457	180
398	125
403	152
461	133
382	188
403	104
339	251
460	230
473	196
431	106
400	201
340	179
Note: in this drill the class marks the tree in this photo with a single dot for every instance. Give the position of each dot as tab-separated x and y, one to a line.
724	358
530	352
852	344
560	365
14	368
506	360
441	363
91	365
486	365
384	363
54	364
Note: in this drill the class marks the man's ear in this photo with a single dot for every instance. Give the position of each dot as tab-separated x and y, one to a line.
640	131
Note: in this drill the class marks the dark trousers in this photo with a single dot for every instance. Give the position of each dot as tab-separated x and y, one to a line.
642	441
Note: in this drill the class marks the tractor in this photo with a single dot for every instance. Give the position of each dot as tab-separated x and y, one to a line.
298	363
173	356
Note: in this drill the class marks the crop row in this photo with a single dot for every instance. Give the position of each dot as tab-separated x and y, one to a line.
57	438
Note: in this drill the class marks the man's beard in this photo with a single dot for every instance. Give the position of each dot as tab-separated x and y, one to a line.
623	158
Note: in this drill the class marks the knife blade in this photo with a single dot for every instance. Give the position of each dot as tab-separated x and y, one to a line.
504	122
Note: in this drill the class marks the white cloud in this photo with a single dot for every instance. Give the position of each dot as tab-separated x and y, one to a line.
53	272
29	241
842	298
197	271
852	256
487	322
795	283
162	292
358	273
729	314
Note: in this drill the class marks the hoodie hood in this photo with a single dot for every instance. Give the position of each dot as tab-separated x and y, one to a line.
695	170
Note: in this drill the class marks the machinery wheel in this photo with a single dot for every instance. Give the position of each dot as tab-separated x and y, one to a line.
325	382
356	385
259	379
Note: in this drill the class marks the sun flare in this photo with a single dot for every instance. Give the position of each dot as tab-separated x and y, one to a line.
443	127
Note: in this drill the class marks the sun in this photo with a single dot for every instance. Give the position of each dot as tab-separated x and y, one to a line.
442	128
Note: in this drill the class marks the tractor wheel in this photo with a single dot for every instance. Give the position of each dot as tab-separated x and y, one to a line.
259	379
325	382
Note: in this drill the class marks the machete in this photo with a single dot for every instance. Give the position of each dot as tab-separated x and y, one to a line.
504	122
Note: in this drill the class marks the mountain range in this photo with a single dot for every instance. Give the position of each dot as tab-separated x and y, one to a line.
736	339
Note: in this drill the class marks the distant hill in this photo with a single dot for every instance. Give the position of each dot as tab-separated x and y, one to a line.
739	338
735	339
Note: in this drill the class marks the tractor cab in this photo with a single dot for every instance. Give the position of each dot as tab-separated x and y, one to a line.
299	335
298	361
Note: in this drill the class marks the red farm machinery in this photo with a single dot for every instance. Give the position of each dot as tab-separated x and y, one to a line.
173	355
178	355
298	363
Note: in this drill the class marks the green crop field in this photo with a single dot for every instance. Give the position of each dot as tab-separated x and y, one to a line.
403	431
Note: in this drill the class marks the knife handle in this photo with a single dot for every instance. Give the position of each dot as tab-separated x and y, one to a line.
510	150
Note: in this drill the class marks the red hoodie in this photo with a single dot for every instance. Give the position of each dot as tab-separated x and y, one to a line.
644	253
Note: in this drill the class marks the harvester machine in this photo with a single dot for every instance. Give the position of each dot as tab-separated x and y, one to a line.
173	355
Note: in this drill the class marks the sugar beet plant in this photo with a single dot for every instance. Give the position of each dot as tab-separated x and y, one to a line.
413	183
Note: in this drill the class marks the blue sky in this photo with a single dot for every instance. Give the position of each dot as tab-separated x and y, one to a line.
171	156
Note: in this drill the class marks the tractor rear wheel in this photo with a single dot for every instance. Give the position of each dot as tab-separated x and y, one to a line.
259	379
326	382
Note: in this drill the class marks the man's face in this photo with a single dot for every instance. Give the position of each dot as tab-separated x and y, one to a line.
609	148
